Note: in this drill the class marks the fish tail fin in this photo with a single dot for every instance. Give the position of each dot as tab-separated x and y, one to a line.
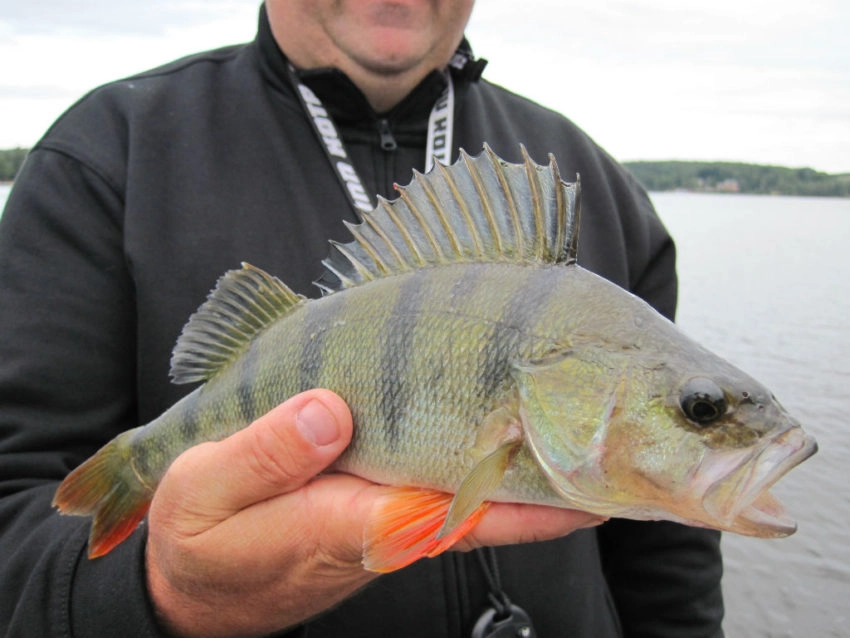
106	486
406	527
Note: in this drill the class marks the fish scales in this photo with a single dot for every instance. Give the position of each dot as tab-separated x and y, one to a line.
444	360
503	306
358	337
396	342
480	363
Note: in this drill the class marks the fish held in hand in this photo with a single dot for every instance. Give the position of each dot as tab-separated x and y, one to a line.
481	363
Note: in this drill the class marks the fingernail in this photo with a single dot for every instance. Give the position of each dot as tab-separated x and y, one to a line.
317	424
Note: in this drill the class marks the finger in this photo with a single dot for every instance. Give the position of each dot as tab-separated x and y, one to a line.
511	523
276	454
271	565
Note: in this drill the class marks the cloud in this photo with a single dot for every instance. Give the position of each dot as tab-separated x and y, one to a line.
752	80
33	92
112	17
56	51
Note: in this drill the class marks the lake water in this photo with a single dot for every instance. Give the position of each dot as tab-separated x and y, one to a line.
765	282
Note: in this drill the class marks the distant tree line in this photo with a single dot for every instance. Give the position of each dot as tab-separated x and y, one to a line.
732	177
10	163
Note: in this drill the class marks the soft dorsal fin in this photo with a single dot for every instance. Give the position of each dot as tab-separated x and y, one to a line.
243	303
478	209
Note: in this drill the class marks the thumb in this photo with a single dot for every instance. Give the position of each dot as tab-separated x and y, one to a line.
276	454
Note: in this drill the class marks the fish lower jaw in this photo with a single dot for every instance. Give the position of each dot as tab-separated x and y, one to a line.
755	511
765	517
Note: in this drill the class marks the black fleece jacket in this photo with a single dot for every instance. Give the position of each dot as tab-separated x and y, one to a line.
123	217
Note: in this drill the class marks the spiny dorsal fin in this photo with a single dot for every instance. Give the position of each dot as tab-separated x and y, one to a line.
478	209
243	303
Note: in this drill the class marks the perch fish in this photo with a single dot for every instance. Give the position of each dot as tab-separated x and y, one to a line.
481	363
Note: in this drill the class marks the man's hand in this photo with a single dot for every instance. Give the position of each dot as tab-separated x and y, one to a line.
244	538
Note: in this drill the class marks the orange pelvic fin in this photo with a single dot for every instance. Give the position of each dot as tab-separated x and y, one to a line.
405	527
106	487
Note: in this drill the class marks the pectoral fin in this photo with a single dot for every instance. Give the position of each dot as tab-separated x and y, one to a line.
478	485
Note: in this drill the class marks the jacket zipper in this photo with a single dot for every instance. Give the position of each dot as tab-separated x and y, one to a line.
388	142
384	159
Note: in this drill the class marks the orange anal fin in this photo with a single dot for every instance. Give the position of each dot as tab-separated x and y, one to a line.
405	525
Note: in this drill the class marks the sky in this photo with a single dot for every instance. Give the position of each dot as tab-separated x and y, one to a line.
760	81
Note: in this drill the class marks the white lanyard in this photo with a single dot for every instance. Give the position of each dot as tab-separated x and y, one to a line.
438	146
441	127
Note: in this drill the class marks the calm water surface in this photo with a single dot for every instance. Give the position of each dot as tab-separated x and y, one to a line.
765	282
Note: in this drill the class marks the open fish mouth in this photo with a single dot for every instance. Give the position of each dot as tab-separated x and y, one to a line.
742	503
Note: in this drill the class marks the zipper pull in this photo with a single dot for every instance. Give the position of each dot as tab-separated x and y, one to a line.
388	142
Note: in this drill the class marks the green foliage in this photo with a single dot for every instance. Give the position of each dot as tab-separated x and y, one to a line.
10	163
732	177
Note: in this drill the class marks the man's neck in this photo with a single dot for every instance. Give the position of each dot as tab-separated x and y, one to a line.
385	70
383	90
384	93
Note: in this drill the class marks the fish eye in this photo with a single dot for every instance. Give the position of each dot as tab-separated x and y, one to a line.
702	400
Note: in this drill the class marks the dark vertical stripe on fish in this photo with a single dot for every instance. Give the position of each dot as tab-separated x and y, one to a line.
519	316
153	452
397	355
246	406
191	422
318	316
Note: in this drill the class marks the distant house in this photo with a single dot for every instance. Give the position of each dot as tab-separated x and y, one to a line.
728	185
